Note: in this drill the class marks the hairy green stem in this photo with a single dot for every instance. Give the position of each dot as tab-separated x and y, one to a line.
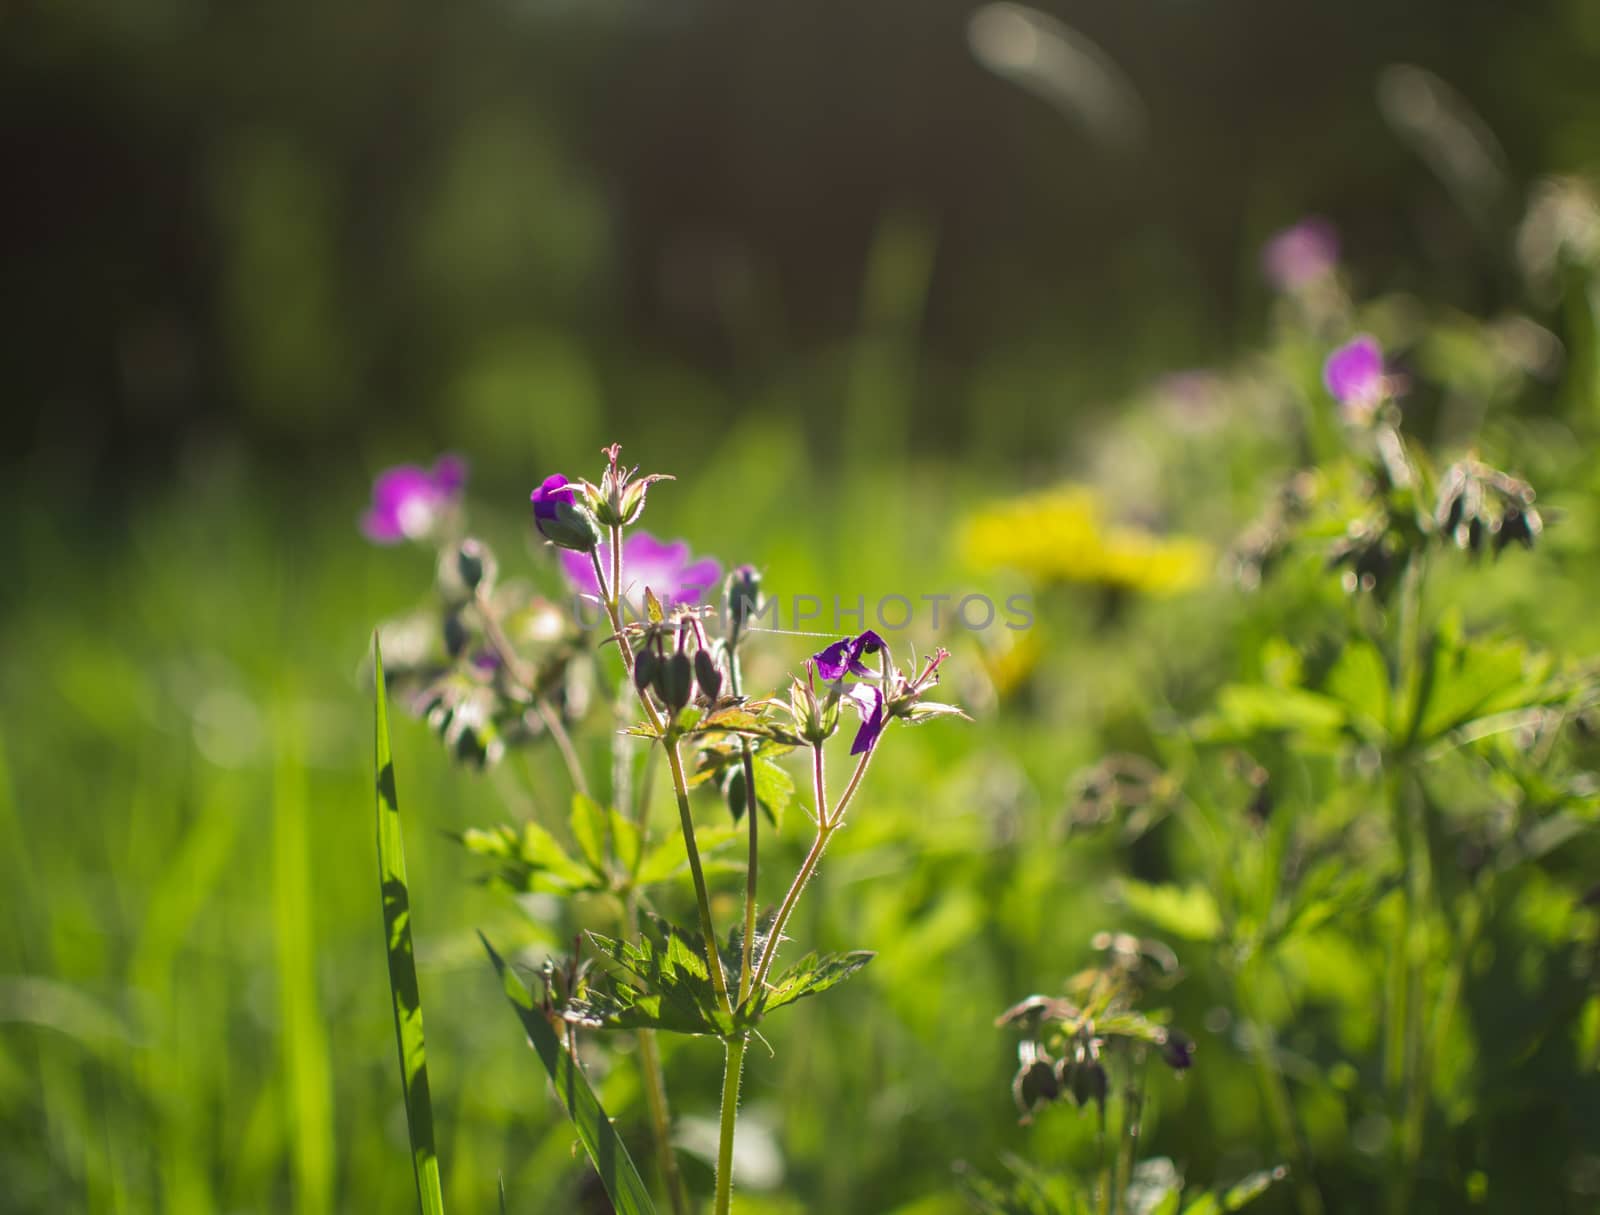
669	743
827	824
746	968
732	1072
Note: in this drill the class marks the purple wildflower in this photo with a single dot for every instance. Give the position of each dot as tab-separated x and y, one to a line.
665	567
845	656
868	700
1301	254
408	501
1353	373
561	519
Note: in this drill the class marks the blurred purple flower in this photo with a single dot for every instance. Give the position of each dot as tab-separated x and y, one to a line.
1301	254
845	656
665	567
407	501
1353	373
868	700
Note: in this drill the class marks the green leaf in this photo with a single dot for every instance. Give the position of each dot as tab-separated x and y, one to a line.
589	829
1359	680
670	858
1244	1192
660	982
625	840
1246	710
531	859
1463	679
1189	912
403	988
611	1160
774	788
812	974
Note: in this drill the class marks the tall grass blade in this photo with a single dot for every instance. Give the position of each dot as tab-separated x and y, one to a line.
402	962
600	1139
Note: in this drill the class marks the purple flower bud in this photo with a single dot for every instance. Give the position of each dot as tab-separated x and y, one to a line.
1353	373
1301	254
408	501
560	519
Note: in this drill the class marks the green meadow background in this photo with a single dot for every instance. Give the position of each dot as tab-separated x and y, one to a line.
849	285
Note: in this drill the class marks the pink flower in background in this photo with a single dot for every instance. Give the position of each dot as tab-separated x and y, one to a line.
408	501
663	566
1300	255
1353	373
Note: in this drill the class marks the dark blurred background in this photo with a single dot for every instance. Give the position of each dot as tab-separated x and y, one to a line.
510	226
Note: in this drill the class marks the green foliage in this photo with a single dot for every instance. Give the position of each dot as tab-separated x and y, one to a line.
403	988
607	1152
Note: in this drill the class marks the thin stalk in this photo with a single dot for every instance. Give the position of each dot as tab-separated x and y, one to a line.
1280	1106
655	1085
827	824
719	981
1128	1140
680	784
524	676
751	809
732	1072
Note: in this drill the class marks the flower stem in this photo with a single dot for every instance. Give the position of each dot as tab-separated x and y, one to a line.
827	824
680	784
732	1071
520	672
746	968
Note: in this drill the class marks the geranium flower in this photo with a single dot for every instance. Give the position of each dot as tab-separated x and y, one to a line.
663	566
1353	373
408	501
1301	254
845	656
868	700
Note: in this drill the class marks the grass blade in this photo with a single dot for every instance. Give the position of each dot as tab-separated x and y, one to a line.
600	1139
402	962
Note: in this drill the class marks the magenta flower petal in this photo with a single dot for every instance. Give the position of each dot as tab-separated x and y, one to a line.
1353	373
834	661
1301	254
579	570
449	474
663	566
868	700
407	501
696	580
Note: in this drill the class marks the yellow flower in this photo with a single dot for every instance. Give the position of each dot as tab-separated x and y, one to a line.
1061	535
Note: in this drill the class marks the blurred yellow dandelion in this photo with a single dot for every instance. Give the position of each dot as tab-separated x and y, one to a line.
1061	535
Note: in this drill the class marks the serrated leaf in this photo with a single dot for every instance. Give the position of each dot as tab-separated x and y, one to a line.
1189	912
531	859
599	1138
403	989
662	981
812	974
